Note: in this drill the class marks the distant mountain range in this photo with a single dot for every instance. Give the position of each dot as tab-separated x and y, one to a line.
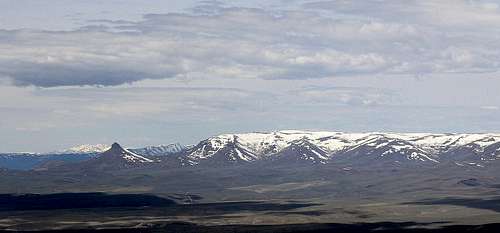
27	161
282	147
332	147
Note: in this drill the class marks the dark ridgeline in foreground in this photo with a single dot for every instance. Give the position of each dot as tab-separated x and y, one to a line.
112	207
384	227
97	204
9	202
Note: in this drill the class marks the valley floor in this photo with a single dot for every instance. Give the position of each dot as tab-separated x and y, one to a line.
256	199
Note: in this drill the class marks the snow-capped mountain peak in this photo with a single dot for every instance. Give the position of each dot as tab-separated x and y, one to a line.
118	151
417	147
86	149
294	146
160	150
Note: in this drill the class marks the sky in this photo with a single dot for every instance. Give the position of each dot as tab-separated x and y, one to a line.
155	72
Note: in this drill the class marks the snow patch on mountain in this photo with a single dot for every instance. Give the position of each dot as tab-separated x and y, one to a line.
86	149
414	146
134	158
160	150
117	151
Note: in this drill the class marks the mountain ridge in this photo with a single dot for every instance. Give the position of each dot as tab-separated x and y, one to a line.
319	147
420	147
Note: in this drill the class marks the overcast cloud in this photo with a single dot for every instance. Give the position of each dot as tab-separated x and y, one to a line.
340	38
184	71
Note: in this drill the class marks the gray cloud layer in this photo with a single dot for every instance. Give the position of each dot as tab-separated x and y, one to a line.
302	64
320	40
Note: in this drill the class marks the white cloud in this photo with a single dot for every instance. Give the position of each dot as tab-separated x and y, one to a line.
475	13
257	43
492	108
339	65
